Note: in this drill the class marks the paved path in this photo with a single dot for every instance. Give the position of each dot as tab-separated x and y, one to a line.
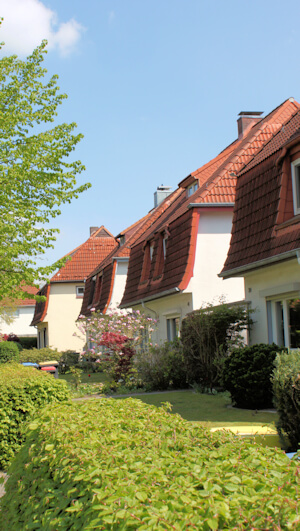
2	485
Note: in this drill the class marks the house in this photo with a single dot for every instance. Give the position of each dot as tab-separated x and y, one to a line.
104	287
174	265
55	318
265	242
22	314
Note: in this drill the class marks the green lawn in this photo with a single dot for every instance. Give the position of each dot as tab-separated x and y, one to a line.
211	410
92	377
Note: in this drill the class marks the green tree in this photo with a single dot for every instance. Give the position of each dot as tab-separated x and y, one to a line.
35	175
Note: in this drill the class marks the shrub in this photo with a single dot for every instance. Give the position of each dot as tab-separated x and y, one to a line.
36	355
23	391
28	342
68	359
207	336
247	375
286	389
8	351
125	465
162	367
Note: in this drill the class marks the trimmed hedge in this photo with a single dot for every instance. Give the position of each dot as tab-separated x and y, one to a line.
9	351
23	391
247	375
124	465
286	389
36	355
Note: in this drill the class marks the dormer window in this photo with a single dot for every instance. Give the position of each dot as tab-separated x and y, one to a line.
151	250
92	291
122	240
192	188
296	185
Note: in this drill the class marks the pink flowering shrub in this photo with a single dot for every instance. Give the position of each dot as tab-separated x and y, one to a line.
115	337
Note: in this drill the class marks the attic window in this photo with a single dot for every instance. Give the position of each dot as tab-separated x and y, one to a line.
192	188
296	185
122	240
161	253
148	255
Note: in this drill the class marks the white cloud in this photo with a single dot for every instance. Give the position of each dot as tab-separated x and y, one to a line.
27	22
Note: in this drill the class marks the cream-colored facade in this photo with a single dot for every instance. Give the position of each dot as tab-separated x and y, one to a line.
20	326
270	291
58	328
205	287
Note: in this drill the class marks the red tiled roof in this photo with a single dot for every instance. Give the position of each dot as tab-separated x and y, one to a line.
217	182
264	225
27	302
85	258
41	307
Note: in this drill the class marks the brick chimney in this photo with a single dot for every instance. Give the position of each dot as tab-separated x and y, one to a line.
93	229
247	119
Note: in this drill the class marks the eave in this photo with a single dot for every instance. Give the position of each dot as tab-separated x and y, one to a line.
166	293
239	271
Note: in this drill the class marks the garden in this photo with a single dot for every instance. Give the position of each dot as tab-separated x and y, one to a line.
124	438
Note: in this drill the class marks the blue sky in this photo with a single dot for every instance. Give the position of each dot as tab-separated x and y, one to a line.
155	88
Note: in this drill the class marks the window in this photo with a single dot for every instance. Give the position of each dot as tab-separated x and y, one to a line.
92	290
284	322
296	185
98	289
79	292
192	188
148	255
172	328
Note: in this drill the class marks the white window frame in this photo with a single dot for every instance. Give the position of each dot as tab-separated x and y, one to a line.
173	331
192	188
79	295
279	330
296	185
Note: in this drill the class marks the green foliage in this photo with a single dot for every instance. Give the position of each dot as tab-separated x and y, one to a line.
36	355
162	367
35	174
124	465
68	359
76	376
247	375
207	336
8	351
23	391
286	389
28	342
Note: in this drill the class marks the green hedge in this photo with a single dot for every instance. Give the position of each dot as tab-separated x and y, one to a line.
124	465
286	389
247	375
23	391
8	351
36	355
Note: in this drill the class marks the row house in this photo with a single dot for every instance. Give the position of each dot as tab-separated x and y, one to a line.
55	318
265	242
171	263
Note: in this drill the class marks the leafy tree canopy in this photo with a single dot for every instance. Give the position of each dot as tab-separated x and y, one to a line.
35	175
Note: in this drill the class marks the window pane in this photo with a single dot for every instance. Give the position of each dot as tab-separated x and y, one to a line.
294	314
280	326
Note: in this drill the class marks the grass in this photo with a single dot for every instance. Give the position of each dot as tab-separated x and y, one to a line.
211	410
92	377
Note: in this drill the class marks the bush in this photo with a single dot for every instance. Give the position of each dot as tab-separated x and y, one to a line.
162	367
8	351
247	375
28	342
36	355
125	465
68	359
23	391
286	389
207	337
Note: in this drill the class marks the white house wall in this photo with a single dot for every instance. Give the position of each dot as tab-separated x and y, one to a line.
269	283
119	283
214	232
62	313
21	324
